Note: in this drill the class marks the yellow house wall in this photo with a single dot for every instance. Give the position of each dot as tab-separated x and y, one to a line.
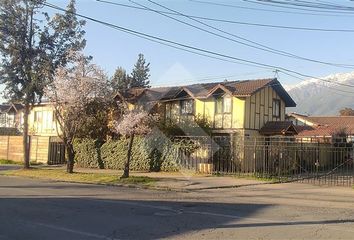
259	109
199	107
209	110
206	108
238	112
46	126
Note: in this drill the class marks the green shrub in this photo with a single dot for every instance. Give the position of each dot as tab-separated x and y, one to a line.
169	158
87	153
152	153
114	154
5	131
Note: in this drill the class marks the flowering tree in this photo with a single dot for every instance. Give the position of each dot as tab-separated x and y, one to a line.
132	123
74	89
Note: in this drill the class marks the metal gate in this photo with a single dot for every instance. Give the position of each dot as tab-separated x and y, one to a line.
56	153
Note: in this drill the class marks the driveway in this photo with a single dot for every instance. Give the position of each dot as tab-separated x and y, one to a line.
32	209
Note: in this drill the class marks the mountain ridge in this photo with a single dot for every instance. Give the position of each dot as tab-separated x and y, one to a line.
323	97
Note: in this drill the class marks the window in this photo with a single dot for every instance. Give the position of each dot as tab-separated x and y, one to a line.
187	107
218	106
168	110
276	108
223	105
37	116
227	104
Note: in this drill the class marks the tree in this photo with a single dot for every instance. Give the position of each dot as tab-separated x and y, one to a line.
140	73
74	90
132	123
32	47
120	80
346	112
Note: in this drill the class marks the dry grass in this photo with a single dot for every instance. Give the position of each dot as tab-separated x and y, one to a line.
3	161
93	178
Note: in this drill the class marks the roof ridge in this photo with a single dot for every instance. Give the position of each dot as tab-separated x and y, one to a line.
218	82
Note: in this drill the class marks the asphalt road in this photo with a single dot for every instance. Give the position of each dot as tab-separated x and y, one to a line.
32	209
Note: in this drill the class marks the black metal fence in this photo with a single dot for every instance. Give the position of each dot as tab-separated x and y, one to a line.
316	160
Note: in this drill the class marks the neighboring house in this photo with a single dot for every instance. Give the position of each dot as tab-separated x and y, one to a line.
11	115
42	121
322	126
231	107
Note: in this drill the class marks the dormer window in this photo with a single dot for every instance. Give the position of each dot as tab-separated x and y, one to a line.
223	105
187	107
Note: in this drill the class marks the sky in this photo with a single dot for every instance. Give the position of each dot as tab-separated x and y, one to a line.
111	48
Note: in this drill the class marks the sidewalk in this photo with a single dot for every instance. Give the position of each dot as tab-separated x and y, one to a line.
184	180
177	181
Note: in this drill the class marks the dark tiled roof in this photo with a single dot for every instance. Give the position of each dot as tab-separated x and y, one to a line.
4	107
7	107
327	125
278	128
237	88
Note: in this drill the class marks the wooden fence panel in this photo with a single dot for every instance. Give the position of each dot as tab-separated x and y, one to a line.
39	149
3	147
11	148
15	148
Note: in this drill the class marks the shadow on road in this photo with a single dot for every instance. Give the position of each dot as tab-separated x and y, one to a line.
86	218
90	218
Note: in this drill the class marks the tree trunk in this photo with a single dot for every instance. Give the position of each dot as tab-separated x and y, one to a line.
129	154
26	147
71	156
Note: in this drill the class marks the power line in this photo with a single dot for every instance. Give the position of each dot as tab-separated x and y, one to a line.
265	10
159	39
236	22
305	4
288	5
259	46
330	88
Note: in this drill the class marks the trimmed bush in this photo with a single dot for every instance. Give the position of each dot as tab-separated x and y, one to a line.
6	131
87	153
148	154
114	154
169	158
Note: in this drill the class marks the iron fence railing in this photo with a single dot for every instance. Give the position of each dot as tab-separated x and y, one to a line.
318	160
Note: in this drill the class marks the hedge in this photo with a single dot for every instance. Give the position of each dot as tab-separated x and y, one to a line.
8	131
87	153
114	155
148	154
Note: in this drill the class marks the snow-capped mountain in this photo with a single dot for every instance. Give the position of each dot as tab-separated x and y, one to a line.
323	96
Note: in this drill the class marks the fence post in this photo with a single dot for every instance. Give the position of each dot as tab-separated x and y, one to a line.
232	164
7	148
254	156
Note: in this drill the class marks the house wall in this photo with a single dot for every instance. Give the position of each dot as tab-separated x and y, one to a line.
249	113
259	109
205	108
42	121
8	120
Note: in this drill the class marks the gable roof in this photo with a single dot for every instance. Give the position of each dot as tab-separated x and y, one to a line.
6	108
243	88
324	125
278	128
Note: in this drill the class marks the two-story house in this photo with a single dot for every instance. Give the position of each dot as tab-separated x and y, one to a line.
246	108
11	115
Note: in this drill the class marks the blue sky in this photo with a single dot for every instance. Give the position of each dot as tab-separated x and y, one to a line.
111	48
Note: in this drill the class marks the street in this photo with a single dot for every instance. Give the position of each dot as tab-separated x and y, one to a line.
33	209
